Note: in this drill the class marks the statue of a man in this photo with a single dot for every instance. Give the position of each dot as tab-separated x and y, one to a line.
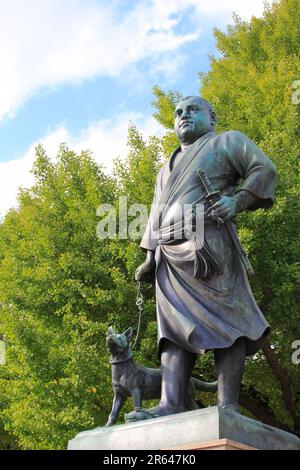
203	297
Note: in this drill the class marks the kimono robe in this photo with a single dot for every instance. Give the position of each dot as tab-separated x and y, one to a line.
195	312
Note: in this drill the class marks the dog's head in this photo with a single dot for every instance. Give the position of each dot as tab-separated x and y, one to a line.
118	343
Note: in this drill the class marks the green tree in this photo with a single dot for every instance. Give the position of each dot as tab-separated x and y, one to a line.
61	286
60	289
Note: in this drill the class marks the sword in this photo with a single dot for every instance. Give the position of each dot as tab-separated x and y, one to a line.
213	196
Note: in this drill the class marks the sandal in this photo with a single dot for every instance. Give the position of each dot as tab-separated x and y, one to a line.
139	415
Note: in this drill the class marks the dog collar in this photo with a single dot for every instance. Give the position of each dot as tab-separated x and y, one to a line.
117	361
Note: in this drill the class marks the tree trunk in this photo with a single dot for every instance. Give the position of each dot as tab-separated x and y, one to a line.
283	377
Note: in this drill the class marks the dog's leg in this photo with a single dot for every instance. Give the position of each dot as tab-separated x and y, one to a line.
136	398
116	407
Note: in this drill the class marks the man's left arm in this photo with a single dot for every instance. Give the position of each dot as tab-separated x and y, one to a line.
258	172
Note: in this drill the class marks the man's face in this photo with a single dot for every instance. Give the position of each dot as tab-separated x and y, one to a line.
192	120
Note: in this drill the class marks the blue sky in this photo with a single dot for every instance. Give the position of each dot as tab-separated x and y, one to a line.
77	71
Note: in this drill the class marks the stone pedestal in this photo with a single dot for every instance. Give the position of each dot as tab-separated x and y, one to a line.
209	428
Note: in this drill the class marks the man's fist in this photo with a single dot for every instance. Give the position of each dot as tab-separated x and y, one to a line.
146	271
225	208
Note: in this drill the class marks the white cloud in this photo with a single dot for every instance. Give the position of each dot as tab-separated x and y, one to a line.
245	8
106	139
16	173
51	42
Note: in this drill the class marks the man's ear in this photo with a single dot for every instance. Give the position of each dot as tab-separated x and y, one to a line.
111	331
128	333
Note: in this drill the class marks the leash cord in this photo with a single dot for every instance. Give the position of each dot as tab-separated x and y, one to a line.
139	303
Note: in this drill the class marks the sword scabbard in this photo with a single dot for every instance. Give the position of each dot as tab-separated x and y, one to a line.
213	196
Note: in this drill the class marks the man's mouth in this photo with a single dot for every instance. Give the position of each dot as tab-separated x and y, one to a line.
185	123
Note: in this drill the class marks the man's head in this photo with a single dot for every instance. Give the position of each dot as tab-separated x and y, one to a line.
194	117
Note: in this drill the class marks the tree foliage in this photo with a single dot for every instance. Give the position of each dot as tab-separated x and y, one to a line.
60	289
61	286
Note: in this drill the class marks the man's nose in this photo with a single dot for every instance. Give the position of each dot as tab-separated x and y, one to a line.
185	113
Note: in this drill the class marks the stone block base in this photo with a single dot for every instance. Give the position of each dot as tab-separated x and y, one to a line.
208	428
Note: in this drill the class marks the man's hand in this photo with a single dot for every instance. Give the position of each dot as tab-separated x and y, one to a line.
146	271
225	208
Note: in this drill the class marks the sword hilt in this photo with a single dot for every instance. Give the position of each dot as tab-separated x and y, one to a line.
211	194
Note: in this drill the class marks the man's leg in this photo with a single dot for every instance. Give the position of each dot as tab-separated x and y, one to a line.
230	364
177	367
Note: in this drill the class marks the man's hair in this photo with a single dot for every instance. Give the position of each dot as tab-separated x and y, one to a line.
205	102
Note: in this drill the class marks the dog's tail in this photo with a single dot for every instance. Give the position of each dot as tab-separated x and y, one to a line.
205	386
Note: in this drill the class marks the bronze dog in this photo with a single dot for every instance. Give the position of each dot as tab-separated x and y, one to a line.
130	379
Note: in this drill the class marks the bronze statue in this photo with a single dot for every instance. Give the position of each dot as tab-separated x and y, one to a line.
203	297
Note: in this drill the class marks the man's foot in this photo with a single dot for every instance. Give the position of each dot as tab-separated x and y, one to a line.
139	415
150	413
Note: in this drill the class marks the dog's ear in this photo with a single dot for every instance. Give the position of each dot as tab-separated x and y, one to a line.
128	333
111	331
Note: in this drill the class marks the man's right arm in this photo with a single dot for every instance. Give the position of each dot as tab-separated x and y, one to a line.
146	271
150	238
